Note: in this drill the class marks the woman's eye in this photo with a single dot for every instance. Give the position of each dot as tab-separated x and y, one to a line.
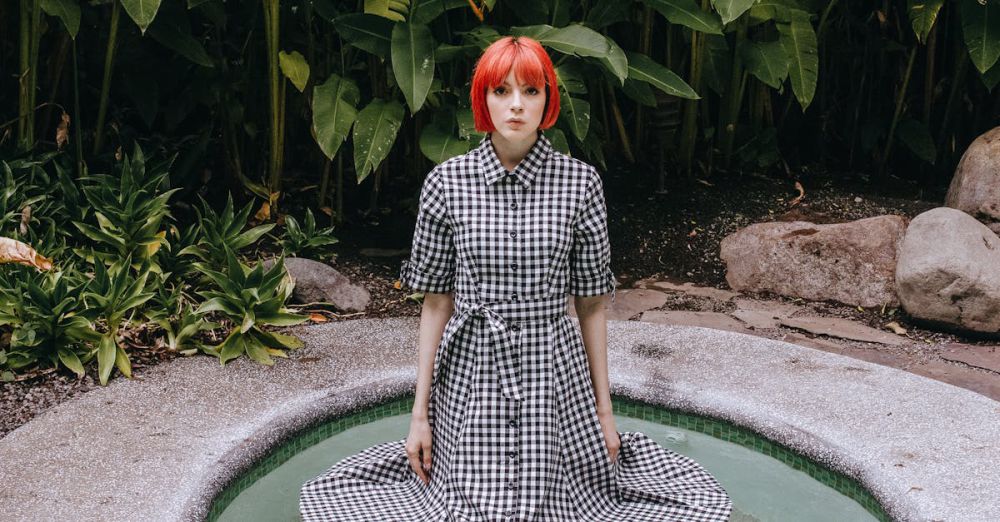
498	90
532	90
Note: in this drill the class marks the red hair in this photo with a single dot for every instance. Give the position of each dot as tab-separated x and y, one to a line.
531	65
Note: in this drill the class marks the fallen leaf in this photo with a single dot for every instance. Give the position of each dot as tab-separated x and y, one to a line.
13	251
118	154
694	232
264	213
896	328
327	210
318	318
397	285
703	182
25	219
802	194
281	220
62	132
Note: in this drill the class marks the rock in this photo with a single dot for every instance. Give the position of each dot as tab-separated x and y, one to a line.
317	282
842	328
757	319
975	188
691	289
982	357
628	302
852	263
949	271
716	320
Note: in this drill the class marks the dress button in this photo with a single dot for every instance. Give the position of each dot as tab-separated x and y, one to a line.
509	513
513	297
512	485
513	206
512	423
513	234
513	266
511	455
515	327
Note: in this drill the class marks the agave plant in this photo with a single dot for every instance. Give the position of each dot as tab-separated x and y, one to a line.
129	210
222	231
250	298
174	265
49	318
306	241
171	310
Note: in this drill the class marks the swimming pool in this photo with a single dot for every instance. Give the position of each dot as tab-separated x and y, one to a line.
766	481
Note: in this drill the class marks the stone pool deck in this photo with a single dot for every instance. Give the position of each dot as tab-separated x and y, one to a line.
162	446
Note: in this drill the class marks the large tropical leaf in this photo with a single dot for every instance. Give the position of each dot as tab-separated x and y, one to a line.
765	60
799	41
615	62
295	68
642	67
981	28
688	14
558	140
142	12
923	13
917	138
335	107
440	144
576	39
181	42
425	11
394	10
366	32
413	62
576	111
374	133
730	10
66	10
716	63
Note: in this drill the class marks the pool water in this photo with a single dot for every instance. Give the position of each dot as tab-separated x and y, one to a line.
763	488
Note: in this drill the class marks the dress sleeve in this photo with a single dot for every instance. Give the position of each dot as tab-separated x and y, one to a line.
431	266
590	262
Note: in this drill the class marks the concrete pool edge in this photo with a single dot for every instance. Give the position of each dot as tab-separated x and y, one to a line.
188	449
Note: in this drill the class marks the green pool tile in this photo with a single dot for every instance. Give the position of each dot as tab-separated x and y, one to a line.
621	406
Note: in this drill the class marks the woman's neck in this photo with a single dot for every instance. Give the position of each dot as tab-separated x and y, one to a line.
511	153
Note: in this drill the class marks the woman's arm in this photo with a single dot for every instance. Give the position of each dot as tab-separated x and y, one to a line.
434	315
594	327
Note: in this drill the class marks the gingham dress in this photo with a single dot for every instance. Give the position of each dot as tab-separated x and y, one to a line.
512	410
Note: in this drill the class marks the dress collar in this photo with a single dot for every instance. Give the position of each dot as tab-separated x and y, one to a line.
525	171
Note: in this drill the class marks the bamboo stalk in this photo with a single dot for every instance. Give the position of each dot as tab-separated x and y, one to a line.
689	128
734	97
271	28
77	135
900	98
109	60
620	125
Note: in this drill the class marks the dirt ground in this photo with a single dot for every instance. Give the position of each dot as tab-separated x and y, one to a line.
673	238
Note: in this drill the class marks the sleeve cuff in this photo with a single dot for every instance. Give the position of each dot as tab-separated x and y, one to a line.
591	286
412	277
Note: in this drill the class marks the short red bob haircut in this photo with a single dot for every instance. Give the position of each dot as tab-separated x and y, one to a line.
531	65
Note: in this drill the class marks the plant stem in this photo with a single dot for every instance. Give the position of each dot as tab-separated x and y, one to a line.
900	98
77	134
109	60
271	31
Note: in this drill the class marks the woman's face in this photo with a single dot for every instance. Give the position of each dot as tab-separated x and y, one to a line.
516	108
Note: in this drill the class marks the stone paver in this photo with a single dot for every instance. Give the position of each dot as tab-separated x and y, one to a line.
843	328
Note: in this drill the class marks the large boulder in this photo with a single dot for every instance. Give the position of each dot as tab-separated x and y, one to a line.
317	282
949	271
851	262
975	188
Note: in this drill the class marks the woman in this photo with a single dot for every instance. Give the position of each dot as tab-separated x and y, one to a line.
512	416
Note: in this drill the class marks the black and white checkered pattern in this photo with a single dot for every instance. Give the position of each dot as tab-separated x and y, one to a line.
512	410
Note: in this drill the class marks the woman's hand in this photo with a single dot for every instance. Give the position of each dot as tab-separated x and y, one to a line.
418	448
611	438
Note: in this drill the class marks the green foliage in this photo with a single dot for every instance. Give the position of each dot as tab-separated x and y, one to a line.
172	311
113	295
306	241
129	210
250	298
49	319
223	231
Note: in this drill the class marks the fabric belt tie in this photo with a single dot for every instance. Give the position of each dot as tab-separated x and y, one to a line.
504	347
